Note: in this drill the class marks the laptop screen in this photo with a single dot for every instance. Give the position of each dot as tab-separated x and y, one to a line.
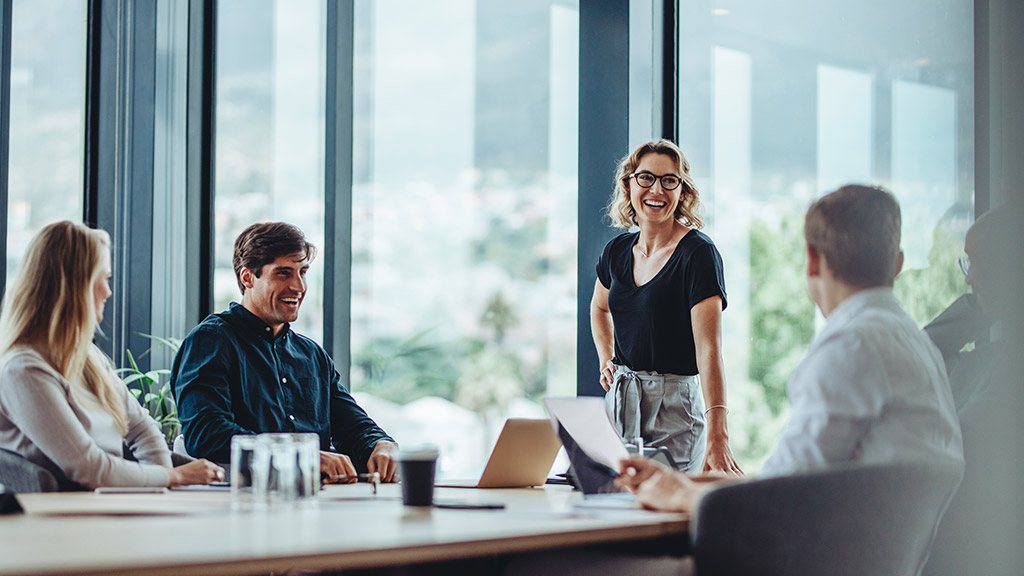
590	476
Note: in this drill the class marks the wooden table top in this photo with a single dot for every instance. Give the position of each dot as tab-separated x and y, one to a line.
347	527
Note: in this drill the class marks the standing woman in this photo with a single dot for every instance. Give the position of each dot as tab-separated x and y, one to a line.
61	405
656	314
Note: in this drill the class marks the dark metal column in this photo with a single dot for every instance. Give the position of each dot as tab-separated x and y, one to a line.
202	59
604	136
337	249
669	56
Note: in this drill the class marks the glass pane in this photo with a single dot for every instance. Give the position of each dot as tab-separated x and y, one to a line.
464	217
47	119
782	102
271	65
168	314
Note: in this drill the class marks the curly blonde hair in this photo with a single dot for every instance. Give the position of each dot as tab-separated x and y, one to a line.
620	210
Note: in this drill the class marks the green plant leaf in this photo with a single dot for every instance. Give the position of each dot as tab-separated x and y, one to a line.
134	378
172	343
131	360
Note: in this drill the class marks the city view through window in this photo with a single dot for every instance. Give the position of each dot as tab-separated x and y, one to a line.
464	198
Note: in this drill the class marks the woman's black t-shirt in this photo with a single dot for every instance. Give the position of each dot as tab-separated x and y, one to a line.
653	331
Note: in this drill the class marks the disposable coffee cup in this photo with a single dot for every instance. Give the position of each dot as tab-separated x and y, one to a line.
417	468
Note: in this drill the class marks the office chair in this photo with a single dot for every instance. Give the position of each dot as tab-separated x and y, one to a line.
855	520
20	475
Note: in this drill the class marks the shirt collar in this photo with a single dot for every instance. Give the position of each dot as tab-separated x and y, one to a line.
881	296
254	323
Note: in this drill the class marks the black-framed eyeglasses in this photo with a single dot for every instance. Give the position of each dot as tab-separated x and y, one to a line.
646	180
965	264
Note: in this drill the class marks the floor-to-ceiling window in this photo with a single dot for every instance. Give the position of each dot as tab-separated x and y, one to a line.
781	102
270	134
464	217
464	189
47	124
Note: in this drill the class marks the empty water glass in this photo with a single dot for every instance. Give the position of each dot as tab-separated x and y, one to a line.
243	471
307	448
287	467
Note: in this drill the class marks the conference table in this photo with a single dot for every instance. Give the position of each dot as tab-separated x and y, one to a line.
347	527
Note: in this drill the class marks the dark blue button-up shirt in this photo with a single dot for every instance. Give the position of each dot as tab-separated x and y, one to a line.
233	376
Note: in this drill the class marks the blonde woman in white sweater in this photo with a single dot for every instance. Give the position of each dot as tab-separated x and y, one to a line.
61	404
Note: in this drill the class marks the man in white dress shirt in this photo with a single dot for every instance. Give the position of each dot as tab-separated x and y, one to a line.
872	388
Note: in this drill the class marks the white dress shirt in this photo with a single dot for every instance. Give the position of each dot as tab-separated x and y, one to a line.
871	389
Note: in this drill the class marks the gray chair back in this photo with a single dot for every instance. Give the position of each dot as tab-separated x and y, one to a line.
853	520
19	475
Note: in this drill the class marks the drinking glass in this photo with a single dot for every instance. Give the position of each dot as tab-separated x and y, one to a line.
243	470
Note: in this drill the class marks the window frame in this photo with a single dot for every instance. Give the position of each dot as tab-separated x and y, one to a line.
119	96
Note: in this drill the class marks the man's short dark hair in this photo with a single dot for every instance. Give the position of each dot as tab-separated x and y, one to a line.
857	229
264	242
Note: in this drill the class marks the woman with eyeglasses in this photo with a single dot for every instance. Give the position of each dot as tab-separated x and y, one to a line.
61	405
656	314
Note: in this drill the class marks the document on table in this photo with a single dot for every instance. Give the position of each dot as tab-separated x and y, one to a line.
586	419
91	504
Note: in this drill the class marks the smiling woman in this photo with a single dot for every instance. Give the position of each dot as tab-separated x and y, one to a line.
656	314
61	405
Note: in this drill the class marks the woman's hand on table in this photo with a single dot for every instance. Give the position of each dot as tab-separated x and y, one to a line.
200	471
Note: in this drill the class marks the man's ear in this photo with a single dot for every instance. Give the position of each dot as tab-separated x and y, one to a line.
813	262
247	277
899	265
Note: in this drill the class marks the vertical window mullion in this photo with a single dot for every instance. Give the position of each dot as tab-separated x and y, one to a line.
5	128
604	136
338	185
200	162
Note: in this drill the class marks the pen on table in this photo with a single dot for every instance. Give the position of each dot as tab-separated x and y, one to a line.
373	478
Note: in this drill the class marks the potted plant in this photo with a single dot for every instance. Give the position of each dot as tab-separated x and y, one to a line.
153	390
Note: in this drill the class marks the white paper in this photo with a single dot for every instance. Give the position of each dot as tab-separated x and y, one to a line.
586	419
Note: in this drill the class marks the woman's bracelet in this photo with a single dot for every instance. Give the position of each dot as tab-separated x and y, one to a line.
722	406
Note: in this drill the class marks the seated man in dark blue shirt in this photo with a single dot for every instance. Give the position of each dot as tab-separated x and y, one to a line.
244	371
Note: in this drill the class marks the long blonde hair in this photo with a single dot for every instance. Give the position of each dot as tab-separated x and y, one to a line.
687	212
50	308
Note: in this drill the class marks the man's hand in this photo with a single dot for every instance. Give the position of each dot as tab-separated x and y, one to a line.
656	486
382	460
332	464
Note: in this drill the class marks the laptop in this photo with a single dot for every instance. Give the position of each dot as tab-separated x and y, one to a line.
594	450
523	456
